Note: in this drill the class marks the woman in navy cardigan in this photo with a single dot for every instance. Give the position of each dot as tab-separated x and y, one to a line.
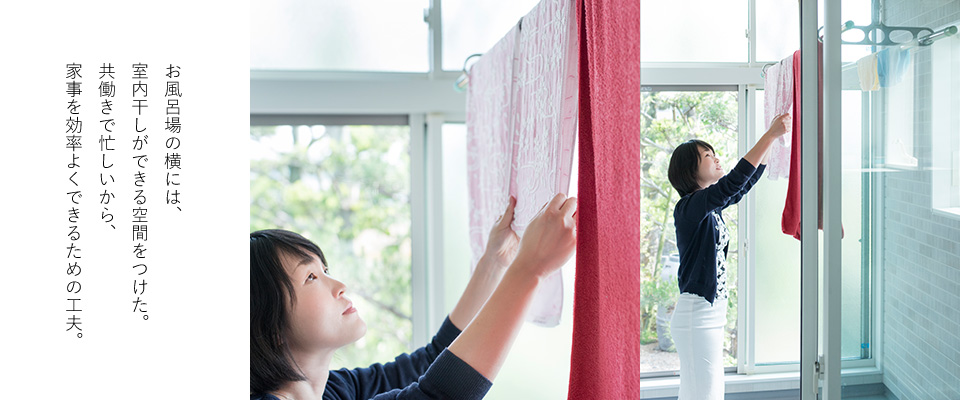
702	240
299	316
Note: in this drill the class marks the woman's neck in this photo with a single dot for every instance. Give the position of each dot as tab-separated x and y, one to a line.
316	368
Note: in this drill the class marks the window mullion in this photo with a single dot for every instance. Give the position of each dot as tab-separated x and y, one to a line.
747	127
434	18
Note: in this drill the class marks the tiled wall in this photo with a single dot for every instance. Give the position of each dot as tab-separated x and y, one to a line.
920	248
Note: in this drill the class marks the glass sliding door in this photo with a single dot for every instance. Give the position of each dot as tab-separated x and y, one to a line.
897	126
910	143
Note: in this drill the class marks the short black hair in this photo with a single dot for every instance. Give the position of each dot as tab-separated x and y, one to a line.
684	164
271	364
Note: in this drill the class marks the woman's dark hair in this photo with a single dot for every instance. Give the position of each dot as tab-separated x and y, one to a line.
684	164
271	364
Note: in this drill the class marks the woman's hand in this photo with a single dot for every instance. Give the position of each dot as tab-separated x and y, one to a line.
781	125
503	243
546	245
551	237
501	249
758	153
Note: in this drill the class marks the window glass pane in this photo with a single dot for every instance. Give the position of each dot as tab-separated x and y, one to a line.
471	27
853	337
346	188
776	302
777	298
778	29
899	119
693	30
456	213
945	124
539	354
672	118
364	35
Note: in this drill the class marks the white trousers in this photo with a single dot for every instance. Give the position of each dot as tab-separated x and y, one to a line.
697	329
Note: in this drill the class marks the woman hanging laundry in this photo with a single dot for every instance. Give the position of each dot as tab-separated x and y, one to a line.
702	240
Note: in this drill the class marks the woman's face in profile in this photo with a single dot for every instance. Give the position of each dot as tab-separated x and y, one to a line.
709	170
322	316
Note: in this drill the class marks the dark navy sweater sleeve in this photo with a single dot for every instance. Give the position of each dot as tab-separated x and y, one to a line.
365	383
731	187
431	372
428	373
746	187
448	377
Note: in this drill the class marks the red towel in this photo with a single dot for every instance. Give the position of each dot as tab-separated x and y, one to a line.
606	318
790	223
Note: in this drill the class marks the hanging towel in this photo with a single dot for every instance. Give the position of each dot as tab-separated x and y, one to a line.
867	71
892	64
605	357
778	99
521	127
490	138
790	223
545	126
899	121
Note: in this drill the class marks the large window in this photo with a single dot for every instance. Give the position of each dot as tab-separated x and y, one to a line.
671	118
346	188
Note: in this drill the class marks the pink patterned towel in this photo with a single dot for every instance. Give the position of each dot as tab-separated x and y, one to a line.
778	99
521	129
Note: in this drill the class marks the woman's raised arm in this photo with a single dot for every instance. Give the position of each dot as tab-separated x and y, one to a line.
547	244
500	252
